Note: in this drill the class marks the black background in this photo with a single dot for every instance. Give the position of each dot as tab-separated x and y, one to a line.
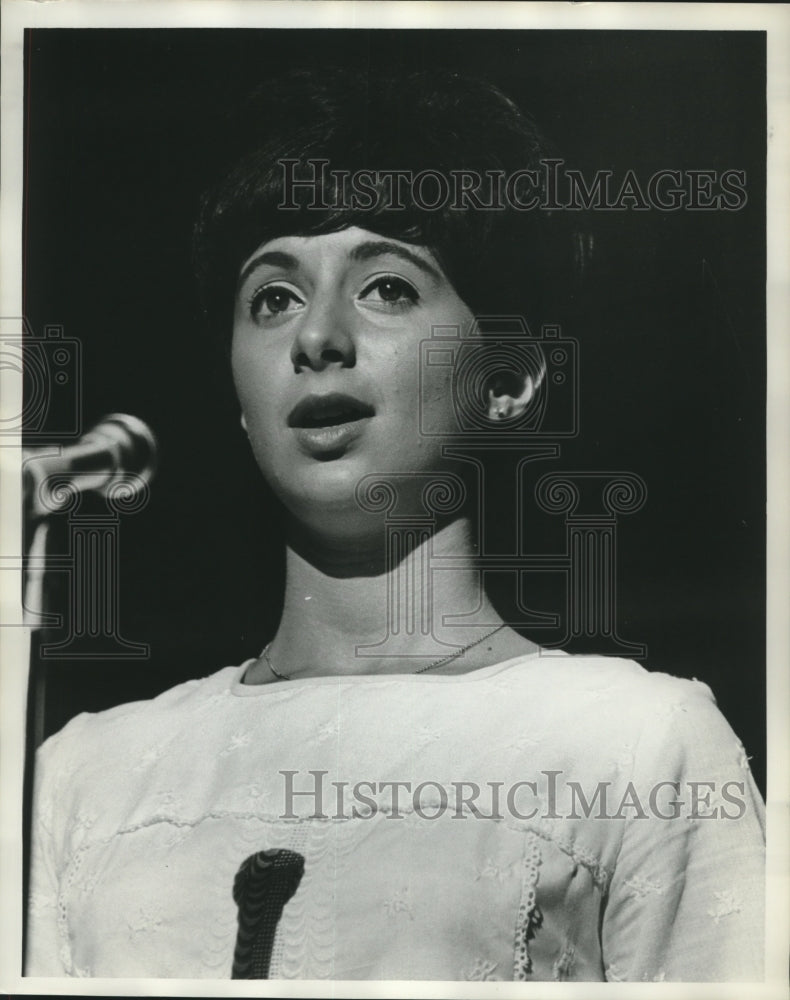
671	325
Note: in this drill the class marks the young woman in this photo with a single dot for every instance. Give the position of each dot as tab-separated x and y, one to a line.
401	786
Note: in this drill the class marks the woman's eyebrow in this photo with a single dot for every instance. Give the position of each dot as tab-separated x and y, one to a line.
275	258
378	248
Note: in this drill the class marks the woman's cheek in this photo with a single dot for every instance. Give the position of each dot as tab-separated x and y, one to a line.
438	403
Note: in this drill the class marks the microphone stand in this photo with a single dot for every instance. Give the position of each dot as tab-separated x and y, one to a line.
119	451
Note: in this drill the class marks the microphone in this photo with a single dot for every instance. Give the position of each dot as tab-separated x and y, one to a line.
263	885
119	447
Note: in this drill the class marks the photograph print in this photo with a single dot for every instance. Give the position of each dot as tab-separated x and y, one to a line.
394	504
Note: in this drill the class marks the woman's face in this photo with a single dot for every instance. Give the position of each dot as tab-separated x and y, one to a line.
326	360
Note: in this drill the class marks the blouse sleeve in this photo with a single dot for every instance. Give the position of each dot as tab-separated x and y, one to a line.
44	956
686	899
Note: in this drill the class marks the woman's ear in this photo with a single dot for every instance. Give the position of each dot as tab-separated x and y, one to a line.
509	396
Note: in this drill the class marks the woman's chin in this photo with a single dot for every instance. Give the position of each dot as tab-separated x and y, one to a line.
326	495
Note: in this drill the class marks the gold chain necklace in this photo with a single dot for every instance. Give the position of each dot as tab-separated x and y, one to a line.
422	670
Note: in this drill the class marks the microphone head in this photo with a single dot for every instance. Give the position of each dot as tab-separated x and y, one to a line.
119	449
134	438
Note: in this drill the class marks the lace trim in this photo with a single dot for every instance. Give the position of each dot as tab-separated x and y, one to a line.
182	825
601	874
307	936
529	916
66	884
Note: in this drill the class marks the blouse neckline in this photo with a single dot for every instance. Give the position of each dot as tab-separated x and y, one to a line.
239	688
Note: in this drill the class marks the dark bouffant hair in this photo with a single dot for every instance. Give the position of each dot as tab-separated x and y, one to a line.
500	261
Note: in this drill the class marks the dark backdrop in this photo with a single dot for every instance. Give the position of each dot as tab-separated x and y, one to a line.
119	129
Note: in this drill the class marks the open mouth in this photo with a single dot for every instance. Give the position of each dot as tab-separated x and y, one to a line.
331	410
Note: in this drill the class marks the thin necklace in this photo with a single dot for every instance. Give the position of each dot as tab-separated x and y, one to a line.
422	670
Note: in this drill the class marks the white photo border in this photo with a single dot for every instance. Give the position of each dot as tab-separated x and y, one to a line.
14	641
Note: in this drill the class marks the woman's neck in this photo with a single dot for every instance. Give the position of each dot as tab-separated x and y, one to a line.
348	611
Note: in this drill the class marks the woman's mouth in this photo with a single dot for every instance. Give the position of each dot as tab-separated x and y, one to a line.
326	425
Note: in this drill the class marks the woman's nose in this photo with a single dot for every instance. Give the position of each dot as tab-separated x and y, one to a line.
324	339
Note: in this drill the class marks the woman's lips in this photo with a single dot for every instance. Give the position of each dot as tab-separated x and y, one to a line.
329	409
331	440
326	425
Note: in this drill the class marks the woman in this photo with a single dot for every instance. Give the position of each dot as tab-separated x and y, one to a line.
401	786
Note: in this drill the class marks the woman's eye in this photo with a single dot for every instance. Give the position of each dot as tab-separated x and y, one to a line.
391	291
273	300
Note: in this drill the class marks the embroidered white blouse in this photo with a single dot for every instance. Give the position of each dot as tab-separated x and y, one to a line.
547	818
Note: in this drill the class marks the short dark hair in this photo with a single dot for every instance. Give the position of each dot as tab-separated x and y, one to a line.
499	260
